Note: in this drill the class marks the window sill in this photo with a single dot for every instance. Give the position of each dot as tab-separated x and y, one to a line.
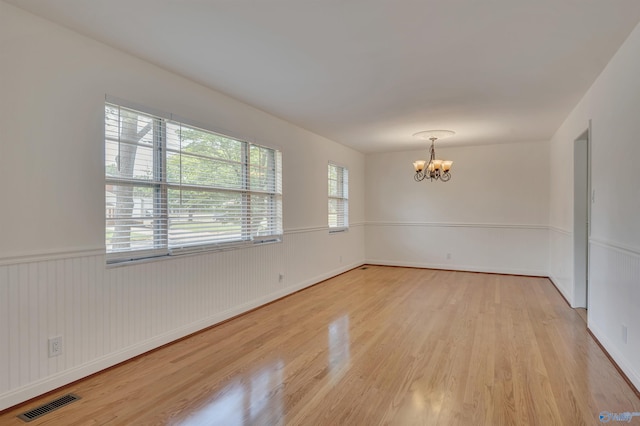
338	230
177	254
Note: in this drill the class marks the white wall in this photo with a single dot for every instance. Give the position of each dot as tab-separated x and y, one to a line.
613	105
53	279
491	216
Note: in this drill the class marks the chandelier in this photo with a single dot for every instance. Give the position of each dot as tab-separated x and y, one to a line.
434	169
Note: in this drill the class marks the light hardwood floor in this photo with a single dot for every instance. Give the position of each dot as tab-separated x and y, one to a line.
383	345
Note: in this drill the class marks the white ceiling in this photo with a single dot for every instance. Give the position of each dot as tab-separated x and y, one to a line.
371	73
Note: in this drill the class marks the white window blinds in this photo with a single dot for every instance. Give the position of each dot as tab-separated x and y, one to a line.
173	188
338	182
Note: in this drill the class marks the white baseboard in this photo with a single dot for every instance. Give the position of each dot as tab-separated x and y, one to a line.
55	381
562	291
619	359
464	268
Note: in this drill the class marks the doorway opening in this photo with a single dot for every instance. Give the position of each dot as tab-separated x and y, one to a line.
581	221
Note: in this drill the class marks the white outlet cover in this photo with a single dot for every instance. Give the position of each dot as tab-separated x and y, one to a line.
55	346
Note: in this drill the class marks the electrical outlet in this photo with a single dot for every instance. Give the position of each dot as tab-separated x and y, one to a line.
55	346
448	256
624	333
340	258
281	277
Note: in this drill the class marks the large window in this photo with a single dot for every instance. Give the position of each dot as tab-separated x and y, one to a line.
338	198
173	188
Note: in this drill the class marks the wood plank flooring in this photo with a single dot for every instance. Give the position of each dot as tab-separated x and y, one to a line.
383	345
583	314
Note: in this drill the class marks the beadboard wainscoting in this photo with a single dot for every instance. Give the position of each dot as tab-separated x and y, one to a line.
106	315
614	303
476	247
561	261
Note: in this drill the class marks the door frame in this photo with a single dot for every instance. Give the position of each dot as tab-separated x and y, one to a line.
582	200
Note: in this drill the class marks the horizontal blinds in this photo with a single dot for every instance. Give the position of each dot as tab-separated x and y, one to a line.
338	184
172	187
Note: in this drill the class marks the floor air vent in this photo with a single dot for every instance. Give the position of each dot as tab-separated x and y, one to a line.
49	407
364	267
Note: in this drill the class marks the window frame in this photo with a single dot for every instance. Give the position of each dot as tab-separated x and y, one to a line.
160	240
340	197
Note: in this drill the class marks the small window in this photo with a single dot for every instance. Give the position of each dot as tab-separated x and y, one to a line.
172	188
338	198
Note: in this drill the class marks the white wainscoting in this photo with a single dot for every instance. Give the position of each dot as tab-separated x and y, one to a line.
614	302
561	261
108	315
479	247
